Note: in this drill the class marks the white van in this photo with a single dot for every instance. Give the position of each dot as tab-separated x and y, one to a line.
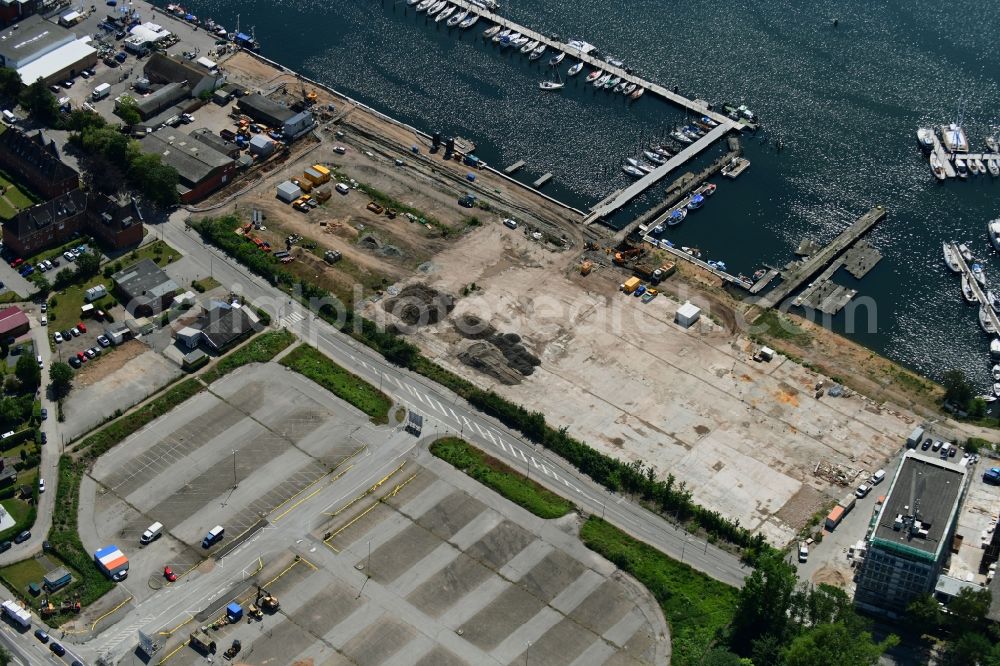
213	535
945	448
877	477
40	363
152	533
9	117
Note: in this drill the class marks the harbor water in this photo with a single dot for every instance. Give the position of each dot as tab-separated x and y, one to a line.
842	101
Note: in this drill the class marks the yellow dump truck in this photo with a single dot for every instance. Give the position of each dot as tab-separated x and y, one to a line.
631	285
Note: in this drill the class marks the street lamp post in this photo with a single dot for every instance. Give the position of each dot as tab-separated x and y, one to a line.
236	482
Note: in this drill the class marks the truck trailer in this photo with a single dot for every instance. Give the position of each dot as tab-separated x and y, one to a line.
17	614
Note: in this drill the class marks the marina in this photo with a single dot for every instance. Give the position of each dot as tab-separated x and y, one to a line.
988	319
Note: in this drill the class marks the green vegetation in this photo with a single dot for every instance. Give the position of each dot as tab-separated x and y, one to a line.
774	325
64	307
19	575
204	284
24	515
310	362
496	475
259	350
958	390
96	444
159	251
61	379
697	608
971	638
40	103
977	444
12	198
386	201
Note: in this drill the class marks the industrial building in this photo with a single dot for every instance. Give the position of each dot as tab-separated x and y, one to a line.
142	38
38	49
261	145
161	99
13	322
223	324
56	579
216	142
161	68
202	169
265	111
289	191
687	315
297	125
34	160
144	289
911	537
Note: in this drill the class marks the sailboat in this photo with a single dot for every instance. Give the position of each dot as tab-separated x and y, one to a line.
552	85
936	167
575	69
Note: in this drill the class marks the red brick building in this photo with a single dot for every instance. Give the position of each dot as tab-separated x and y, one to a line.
13	322
34	160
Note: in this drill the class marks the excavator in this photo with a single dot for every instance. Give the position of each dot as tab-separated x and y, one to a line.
266	601
624	255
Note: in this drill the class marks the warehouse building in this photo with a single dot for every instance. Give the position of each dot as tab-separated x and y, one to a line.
216	142
297	125
265	111
223	324
161	68
202	169
144	288
161	99
13	322
912	534
38	49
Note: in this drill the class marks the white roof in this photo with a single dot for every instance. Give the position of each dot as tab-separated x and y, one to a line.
72	16
689	310
148	32
206	63
57	60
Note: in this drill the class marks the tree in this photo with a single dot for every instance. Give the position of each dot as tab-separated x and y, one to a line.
967	608
87	265
127	109
42	285
763	603
40	103
61	378
977	408
969	648
10	83
925	612
835	645
5	657
957	388
11	413
156	180
28	372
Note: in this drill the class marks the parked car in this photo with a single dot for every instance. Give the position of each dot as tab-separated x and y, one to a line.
103	341
90	353
17	262
22	537
68	256
96	350
85	74
45	307
57	337
41	635
66	335
55	90
67	84
44	321
83	357
75	362
48	265
926	445
863	490
83	329
45	438
41	485
44	413
952	451
75	331
169	574
5	546
803	551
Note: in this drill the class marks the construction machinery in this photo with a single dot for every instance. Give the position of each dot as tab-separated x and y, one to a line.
586	267
254	612
233	650
201	641
624	255
267	601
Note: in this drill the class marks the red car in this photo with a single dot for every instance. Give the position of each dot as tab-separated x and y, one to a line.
83	329
169	574
83	357
17	262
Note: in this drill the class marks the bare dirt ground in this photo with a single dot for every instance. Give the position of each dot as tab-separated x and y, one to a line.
744	437
109	364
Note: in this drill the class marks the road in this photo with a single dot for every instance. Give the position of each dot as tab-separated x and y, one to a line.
445	412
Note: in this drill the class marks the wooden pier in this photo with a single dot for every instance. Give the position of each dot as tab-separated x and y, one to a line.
796	276
541	181
516	166
942	154
984	303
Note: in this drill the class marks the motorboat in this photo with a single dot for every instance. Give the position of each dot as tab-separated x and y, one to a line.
936	167
980	167
457	18
967	293
996	388
594	75
993	300
520	42
693	251
629	88
683	138
556	59
425	4
676	216
966	253
632	171
925	139
599	83
612	82
693	131
708	189
979	274
665	244
412	2
502	34
950	260
985	322
637	94
648	168
445	13
551	85
993	167
987	398
529	46
993	231
708	121
469	22
960	168
655	158
996	372
489	32
991	143
973	167
575	69
620	87
437	7
537	53
697	201
995	348
658	229
661	150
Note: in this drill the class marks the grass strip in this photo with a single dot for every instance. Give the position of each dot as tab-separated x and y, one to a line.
503	479
697	608
259	350
347	386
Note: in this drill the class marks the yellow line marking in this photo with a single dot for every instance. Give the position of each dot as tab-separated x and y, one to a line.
314	567
282	514
391	493
367	492
170	632
173	652
311	484
110	612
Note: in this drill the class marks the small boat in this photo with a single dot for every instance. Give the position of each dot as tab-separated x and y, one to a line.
979	274
987	398
629	88
437	7
677	216
693	131
632	171
556	59
594	75
509	39
967	292
936	167
599	83
697	201
993	167
469	22
991	143
550	85
985	322
925	138
683	138
993	231
702	126
995	348
759	273
693	251
655	158
501	35
456	18
966	253
658	229
619	88
520	42
708	121
489	32
708	189
648	168
993	300
575	69
529	46
663	152
426	4
996	373
950	260
637	94
961	169
980	167
612	82
412	2
537	53
996	389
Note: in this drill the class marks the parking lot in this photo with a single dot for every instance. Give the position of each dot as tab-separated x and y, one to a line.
457	576
226	457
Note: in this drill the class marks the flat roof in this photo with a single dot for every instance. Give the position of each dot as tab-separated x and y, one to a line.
51	63
144	279
193	159
33	34
929	489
